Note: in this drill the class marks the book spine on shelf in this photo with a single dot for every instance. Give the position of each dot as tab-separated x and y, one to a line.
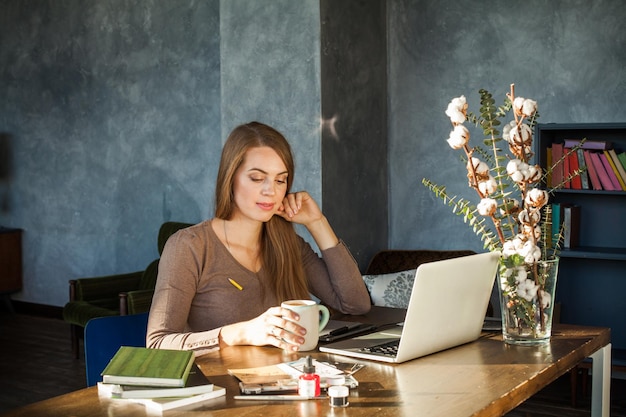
593	176
571	226
610	172
622	159
556	221
557	171
576	182
584	175
549	164
588	144
617	166
567	183
604	178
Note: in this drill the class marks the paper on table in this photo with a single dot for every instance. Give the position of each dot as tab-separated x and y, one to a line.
260	375
287	370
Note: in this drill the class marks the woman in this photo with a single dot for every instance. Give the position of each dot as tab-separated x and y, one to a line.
221	282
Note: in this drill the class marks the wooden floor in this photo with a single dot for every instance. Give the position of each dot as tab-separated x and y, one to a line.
37	363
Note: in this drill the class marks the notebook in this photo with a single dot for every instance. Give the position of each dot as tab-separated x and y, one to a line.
447	308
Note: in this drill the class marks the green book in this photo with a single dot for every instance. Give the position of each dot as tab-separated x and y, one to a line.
196	384
622	159
149	367
556	222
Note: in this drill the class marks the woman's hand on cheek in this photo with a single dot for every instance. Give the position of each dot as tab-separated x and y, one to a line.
300	208
290	206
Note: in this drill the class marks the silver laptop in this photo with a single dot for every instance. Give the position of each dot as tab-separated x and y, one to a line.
446	309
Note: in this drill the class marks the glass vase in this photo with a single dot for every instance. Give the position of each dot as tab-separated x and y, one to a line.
527	301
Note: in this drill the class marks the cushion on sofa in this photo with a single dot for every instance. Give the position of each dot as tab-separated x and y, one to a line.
390	290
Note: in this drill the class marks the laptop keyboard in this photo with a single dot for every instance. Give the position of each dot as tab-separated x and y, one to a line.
387	348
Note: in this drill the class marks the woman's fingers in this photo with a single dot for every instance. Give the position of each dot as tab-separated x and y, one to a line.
282	329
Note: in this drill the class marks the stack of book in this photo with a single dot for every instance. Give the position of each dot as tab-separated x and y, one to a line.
158	378
594	165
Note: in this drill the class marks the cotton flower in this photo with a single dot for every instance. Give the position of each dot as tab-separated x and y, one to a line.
527	290
534	174
487	206
530	230
515	168
529	217
481	168
536	198
524	107
488	186
546	299
521	135
457	109
506	130
513	246
459	137
520	274
530	252
520	139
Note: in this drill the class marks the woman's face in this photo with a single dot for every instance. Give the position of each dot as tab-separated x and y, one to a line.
260	184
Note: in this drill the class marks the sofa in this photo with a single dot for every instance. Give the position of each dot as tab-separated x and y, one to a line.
390	274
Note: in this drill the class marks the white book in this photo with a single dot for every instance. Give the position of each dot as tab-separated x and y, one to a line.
159	405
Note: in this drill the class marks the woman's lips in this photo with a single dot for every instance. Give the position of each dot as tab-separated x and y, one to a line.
266	206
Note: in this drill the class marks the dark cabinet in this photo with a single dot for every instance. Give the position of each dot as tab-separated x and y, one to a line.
10	260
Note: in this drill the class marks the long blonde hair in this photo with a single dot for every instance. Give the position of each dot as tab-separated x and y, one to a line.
281	257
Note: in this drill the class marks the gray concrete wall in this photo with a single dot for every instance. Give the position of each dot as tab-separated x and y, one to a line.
270	59
569	56
110	118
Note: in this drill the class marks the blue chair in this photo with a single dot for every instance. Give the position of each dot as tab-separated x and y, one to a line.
105	335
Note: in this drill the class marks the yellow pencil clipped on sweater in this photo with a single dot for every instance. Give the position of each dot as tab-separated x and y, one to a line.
235	284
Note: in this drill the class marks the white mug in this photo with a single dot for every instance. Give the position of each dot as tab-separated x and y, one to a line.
313	317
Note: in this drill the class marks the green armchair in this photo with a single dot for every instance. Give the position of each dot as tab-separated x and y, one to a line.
113	295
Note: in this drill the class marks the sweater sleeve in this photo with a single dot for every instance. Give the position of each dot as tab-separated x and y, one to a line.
179	271
336	280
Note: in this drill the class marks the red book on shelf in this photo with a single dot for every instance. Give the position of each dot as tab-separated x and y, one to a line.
573	167
610	172
604	178
593	175
557	171
566	169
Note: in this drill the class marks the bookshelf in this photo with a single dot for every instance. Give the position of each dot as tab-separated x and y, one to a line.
591	280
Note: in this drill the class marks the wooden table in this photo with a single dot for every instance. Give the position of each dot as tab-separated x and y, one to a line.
483	378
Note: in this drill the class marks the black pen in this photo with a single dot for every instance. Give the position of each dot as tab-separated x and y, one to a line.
350	329
338	330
